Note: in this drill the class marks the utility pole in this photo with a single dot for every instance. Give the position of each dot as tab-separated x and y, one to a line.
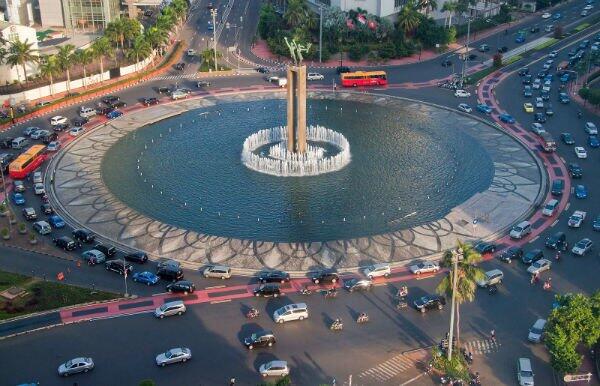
456	254
213	12
320	32
125	277
466	60
10	215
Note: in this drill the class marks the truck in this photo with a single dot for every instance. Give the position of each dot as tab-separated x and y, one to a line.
577	218
548	142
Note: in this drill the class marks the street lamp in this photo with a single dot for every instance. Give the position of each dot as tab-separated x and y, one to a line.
466	60
213	13
320	32
456	255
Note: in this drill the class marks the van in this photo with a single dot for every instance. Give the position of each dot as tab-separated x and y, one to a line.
524	372
218	271
298	311
170	308
86	112
492	277
520	230
548	142
550	207
19	143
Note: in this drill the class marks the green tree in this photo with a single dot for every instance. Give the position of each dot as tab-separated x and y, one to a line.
156	37
498	60
139	49
180	8
83	57
408	18
20	53
65	61
48	68
269	22
297	13
449	8
101	49
115	32
147	382
387	50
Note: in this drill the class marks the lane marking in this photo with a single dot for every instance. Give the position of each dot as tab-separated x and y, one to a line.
533	239
220	301
216	286
567	206
554	223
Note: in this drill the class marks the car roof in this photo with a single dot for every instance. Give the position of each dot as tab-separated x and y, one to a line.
174	302
494	272
278	363
219	267
525	364
42	223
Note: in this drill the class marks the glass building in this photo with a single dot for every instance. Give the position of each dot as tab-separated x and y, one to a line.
90	14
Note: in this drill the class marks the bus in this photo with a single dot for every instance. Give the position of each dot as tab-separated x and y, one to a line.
364	78
27	162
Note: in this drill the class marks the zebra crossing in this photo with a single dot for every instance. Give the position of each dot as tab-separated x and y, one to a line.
387	370
176	77
481	346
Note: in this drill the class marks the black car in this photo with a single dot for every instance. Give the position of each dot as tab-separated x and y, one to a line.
184	286
80	121
5	160
512	253
539	117
6	143
542	74
84	235
267	290
202	83
49	138
342	69
61	127
46	208
138	257
446	63
29	214
262	70
355	284
66	243
503	49
526	79
274	277
326	277
118	266
567	138
534	29
104	110
260	339
118	104
532	256
483	247
523	71
557	187
150	101
575	171
428	302
170	273
108	250
180	66
164	90
109	100
557	241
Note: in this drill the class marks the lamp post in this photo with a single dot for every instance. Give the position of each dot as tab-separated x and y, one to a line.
213	13
320	32
6	200
125	276
466	60
456	254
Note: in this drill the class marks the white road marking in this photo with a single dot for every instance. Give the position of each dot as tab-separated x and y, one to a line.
220	301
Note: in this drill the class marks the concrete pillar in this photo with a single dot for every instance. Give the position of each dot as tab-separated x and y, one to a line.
296	108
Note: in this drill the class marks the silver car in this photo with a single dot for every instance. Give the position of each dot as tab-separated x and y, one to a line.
76	365
424	267
274	369
174	355
218	271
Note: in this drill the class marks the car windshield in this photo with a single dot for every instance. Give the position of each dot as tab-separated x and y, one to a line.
424	299
253	337
169	354
527	374
69	364
518	229
352	282
536	331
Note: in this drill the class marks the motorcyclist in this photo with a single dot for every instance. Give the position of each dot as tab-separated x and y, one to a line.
579	114
362	317
557	257
253	312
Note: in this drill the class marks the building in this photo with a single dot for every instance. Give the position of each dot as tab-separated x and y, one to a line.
12	32
18	11
51	13
79	14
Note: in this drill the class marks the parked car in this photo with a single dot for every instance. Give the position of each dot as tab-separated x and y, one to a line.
520	230
83	235
378	270
145	277
150	101
114	114
274	369
93	257
525	371
217	271
66	243
550	207
76	131
75	365
428	302
174	355
484	247
424	267
29	214
326	276
557	188
183	286
274	277
46	208
355	284
56	221
118	266
53	146
107	250
42	227
137	257
267	290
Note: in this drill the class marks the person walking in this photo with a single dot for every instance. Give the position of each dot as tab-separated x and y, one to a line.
493	336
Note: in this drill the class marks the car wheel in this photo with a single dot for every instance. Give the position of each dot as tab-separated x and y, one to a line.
206	275
184	360
162	317
86	370
257	294
440	306
282	281
280	321
162	364
270	344
333	281
107	268
180	313
275	295
386	275
185	292
316	281
301	318
250	347
170	291
264	375
418	273
422	310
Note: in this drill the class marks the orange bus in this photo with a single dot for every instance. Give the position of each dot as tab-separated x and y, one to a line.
27	162
364	78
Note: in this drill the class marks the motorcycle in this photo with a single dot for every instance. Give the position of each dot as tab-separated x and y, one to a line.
253	313
305	291
330	294
362	318
337	325
579	114
547	286
468	356
401	304
492	289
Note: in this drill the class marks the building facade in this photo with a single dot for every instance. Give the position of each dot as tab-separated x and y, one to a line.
12	32
90	14
51	13
18	11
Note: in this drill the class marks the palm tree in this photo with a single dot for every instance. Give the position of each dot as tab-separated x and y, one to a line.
83	57
102	48
467	274
297	12
156	37
408	18
180	9
115	32
48	68
169	14
427	5
65	61
140	48
165	21
131	30
20	53
450	8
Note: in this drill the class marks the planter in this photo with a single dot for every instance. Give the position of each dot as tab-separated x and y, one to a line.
13	220
22	230
32	241
6	237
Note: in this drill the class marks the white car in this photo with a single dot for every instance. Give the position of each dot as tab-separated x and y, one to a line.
591	128
424	267
174	355
547	86
580	152
582	247
274	369
74	132
462	94
39	134
588	7
465	108
191	52
53	146
553	54
536	84
536	332
539	266
378	270
539	103
546	15
178	94
38	178
314	76
58	120
39	189
537	128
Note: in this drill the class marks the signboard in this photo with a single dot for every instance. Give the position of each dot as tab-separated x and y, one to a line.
231	49
577	377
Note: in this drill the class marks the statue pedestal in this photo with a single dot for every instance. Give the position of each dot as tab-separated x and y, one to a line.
296	109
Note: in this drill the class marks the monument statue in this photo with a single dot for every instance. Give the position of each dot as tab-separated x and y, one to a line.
296	98
296	50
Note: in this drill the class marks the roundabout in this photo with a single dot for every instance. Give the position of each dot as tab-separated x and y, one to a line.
170	180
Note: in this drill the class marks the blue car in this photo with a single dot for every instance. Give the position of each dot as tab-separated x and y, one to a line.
56	221
146	277
564	78
506	118
593	141
581	191
520	39
483	108
18	198
556	16
114	114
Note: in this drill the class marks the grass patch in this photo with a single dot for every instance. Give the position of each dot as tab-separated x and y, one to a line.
42	295
581	27
210	67
476	77
511	60
546	44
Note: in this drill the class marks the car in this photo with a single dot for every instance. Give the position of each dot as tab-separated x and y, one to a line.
145	277
534	29
564	78
525	372
523	71
491	278
260	339
174	355
326	276
549	109
79	121
556	16
46	208
29	214
170	273
536	84
575	171
483	247
547	65
314	76
424	267
42	227
581	191
39	189
483	108
580	152
537	128
503	49
150	101
18	186
546	15
110	99
38	177
168	263
567	138
5	160
210	28
178	95
510	254
582	247
66	243
553	54
564	98
57	120
536	332
38	134
202	83
557	187
274	369
262	70
218	271
527	79
539	266
596	223
267	290
428	302
446	62
588	7
61	127
520	38
163	90
590	128
342	69
547	86
49	138
76	131
114	114
532	256
6	142
108	250
137	257
83	235
465	108
506	118
75	365
191	52
118	266
539	103
18	198
527	92
183	286
180	66
484	48
274	277
584	13
528	107
355	284
56	221
576	219
540	117
593	141
378	270
93	257
462	94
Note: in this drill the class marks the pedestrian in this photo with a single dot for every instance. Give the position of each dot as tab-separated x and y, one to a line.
232	382
493	335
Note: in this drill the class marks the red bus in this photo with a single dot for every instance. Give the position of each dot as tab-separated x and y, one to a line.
27	162
364	78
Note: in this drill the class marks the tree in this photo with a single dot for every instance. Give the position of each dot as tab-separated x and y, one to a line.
467	275
449	8
83	57
269	22
115	32
20	53
101	48
427	5
140	49
65	61
297	13
498	60
408	18
132	29
156	37
48	68
180	8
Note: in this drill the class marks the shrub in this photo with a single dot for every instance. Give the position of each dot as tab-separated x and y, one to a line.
356	52
147	382
387	50
498	60
558	32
